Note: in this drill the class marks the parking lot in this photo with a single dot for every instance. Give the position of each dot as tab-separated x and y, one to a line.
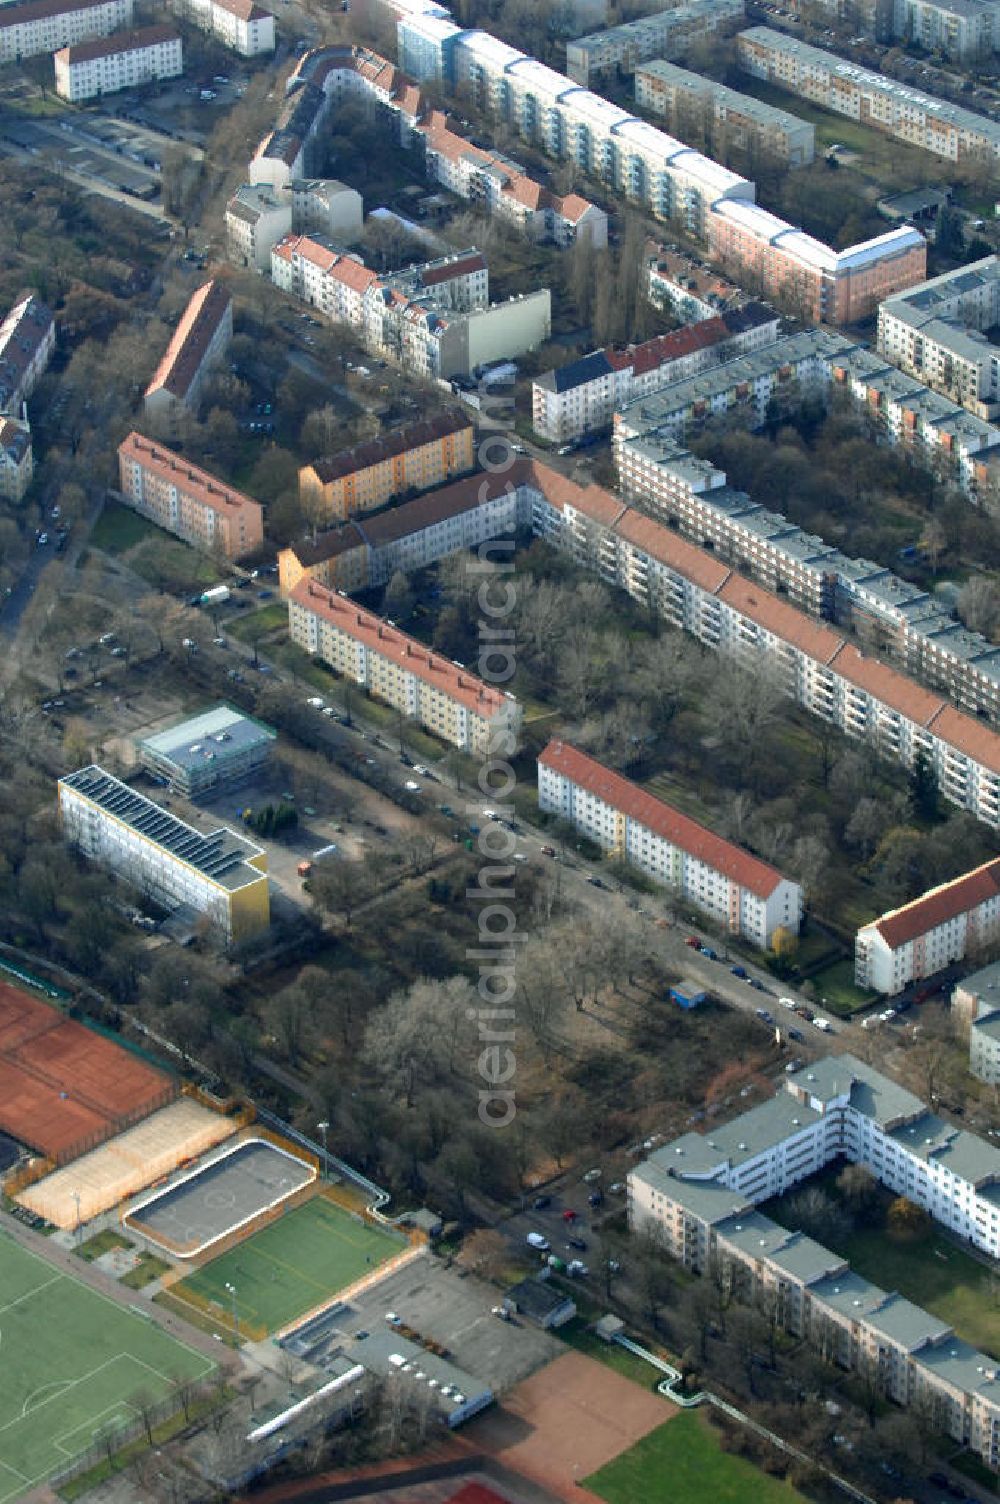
454	1309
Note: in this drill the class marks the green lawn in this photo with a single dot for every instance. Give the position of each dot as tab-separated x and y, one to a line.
681	1462
257	624
293	1264
120	528
170	564
927	1269
578	1335
146	1270
73	1362
102	1242
836	990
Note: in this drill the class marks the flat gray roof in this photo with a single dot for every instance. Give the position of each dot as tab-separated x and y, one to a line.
875	1095
983	984
381	1351
219	733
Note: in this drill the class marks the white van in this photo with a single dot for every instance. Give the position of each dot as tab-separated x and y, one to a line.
535	1240
824	1025
788	1002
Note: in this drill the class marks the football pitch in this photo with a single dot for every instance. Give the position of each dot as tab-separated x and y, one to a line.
293	1264
72	1363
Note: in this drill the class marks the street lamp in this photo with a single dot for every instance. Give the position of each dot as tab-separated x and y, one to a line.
79	1221
324	1128
236	1319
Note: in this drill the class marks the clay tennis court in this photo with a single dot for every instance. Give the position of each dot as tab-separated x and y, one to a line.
127	1164
566	1421
63	1088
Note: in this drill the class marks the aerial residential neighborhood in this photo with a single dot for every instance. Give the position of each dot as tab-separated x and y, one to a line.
500	745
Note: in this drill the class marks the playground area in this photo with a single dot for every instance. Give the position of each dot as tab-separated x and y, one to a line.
64	1088
289	1267
217	1200
75	1365
126	1165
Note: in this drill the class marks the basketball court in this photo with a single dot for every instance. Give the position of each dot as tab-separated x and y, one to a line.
217	1200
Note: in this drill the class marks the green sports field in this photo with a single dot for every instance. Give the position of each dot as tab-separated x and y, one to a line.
293	1264
72	1363
681	1462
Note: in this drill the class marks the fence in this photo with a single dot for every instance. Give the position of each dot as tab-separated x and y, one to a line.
108	1442
24	1175
182	1295
377	1197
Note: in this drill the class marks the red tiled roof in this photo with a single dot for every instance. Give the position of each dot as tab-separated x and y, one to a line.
662	819
476	1493
786	622
192	337
119	41
440	673
243	10
457	268
190	479
684	341
669	548
894	689
938	905
40	10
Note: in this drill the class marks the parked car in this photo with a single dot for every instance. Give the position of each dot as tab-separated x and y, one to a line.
541	1202
579	1243
739	971
595	1198
569	1215
693	941
536	1240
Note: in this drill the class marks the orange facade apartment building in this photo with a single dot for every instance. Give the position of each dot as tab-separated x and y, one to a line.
415	458
187	500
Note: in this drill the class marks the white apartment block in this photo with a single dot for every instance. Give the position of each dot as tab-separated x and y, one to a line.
962	30
923	937
16	458
693	589
582	397
326	206
27	339
935	331
686	288
975	1004
220	876
887	615
242	25
905	410
984	1048
751	899
435	319
663	34
441	696
257	217
638	162
31	27
124	60
742	121
198	344
945	130
702	1191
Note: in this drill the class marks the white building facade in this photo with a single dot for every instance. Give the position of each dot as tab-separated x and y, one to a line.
125	60
31	27
923	937
750	898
